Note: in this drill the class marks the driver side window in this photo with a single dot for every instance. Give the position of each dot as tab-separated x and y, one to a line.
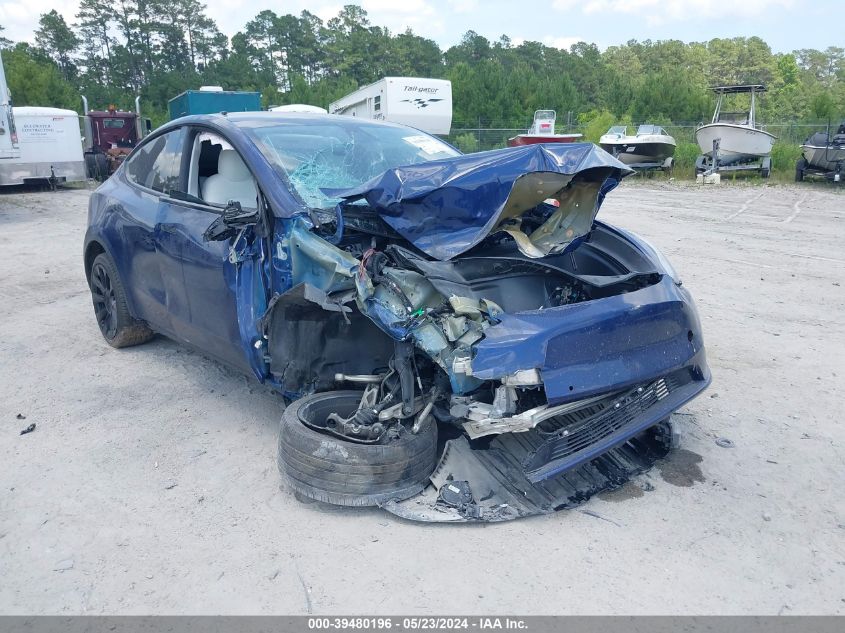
218	174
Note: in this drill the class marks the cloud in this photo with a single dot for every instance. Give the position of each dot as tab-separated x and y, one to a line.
463	6
21	17
379	8
399	15
563	43
327	12
656	12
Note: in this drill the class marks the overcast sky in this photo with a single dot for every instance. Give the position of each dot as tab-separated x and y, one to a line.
785	24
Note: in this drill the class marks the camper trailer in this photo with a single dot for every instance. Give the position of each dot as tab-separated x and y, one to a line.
425	104
49	148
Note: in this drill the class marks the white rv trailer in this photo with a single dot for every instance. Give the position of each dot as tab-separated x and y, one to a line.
49	147
425	104
299	107
9	150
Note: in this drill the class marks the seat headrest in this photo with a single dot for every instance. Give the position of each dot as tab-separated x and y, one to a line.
231	167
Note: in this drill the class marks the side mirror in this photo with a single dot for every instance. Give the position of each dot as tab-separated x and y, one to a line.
232	220
148	125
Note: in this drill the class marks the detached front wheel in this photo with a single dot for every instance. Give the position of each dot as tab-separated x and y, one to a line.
325	467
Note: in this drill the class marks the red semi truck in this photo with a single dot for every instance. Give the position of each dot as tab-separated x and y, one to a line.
109	137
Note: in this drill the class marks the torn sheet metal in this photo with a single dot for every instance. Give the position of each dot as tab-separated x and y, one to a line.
475	485
445	207
316	262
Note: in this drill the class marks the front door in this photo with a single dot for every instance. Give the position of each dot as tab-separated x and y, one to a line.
214	275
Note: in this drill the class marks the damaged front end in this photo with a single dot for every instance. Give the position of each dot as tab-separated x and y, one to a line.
479	292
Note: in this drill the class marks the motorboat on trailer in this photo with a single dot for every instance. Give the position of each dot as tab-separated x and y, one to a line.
650	147
823	154
542	130
733	140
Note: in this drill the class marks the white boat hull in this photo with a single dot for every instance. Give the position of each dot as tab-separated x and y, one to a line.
737	143
632	151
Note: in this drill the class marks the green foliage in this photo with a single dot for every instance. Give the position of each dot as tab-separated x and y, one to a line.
55	39
784	157
159	48
598	122
822	105
466	142
684	160
34	81
4	42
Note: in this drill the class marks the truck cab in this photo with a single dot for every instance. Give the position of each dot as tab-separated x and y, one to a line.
110	135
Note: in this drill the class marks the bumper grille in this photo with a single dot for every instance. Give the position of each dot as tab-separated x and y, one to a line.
578	433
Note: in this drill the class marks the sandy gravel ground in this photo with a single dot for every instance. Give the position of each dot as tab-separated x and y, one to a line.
150	484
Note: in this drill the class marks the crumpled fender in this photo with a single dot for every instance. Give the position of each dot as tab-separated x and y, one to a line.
445	207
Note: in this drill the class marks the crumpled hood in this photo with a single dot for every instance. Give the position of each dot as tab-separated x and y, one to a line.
445	207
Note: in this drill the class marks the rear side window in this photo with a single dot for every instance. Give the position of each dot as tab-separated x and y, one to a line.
157	164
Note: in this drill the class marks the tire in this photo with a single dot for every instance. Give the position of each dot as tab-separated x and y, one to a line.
109	298
91	166
327	468
800	166
101	167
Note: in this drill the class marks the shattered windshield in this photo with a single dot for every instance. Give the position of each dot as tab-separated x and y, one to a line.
340	154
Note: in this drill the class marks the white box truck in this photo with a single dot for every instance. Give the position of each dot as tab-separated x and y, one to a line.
8	134
425	104
49	148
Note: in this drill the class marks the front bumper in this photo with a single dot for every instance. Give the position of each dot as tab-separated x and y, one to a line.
599	346
644	349
534	472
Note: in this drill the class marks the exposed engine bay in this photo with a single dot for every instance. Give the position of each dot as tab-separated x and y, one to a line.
429	315
477	299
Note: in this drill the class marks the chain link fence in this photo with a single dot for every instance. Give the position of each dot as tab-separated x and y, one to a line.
476	139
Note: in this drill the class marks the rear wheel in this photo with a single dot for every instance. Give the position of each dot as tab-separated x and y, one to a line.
109	298
328	468
91	166
102	169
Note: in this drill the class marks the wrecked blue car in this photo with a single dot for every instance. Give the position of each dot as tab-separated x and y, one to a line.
456	336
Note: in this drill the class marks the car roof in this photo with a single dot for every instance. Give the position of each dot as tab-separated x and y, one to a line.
269	119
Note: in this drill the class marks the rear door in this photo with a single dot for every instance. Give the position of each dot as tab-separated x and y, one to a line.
154	266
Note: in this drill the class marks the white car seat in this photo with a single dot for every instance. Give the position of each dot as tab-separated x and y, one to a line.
231	182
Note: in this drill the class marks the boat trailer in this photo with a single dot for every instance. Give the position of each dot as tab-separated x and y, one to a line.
803	169
665	165
706	165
